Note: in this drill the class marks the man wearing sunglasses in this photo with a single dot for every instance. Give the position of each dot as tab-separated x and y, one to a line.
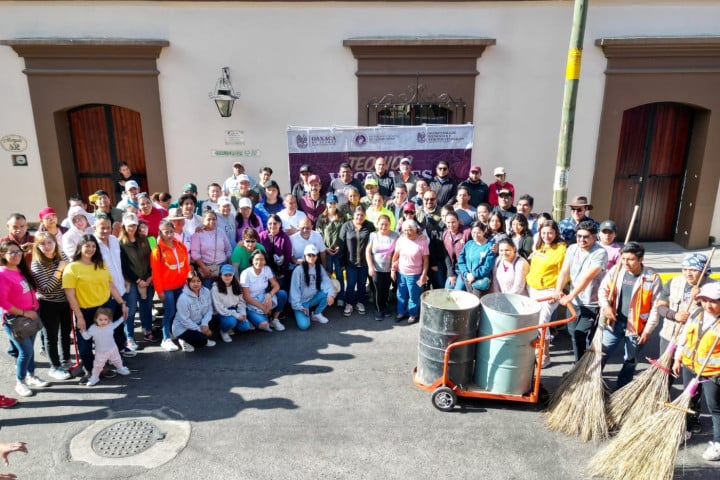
443	185
579	206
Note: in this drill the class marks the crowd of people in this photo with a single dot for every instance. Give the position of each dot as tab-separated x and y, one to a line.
247	258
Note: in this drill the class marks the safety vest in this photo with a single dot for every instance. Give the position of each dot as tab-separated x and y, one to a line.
642	300
697	347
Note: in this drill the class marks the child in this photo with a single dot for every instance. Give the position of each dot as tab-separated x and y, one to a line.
105	348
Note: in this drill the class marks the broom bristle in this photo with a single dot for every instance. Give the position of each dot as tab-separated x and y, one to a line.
647	451
639	398
578	405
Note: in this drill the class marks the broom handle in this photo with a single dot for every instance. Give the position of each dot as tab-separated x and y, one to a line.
611	295
632	223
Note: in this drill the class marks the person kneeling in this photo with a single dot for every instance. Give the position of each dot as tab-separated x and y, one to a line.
310	290
194	312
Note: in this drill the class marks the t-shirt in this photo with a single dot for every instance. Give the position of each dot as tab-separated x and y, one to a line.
582	261
92	286
257	283
241	256
383	247
626	289
410	261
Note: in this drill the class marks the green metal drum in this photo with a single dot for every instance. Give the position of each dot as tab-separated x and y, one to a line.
505	365
446	316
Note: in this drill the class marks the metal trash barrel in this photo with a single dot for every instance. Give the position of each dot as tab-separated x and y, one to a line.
505	365
446	316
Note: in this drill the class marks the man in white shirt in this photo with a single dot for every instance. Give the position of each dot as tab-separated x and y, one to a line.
290	215
307	236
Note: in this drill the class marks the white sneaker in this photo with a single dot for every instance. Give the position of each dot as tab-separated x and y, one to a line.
320	318
360	308
131	344
23	390
277	325
210	343
93	381
186	347
225	337
348	310
169	345
33	381
712	453
123	370
59	373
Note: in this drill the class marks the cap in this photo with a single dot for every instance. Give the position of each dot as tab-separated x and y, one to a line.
129	219
45	212
175	214
190	187
371	181
580	201
405	160
499	171
238	164
306	169
243	178
313	178
222	201
695	261
408	207
504	192
227	269
103	192
475	168
710	291
131	184
310	250
331	198
608	225
245	202
272	184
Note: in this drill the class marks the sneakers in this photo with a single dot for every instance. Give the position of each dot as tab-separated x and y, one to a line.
33	381
693	424
127	352
277	325
151	337
23	390
379	316
412	319
712	453
7	402
92	381
59	373
131	344
123	370
348	310
186	347
108	373
360	308
225	337
320	318
169	346
340	302
210	343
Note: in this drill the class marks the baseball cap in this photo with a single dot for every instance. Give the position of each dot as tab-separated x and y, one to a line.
130	184
371	181
190	187
710	291
238	164
409	207
45	212
504	191
245	202
475	168
313	178
310	249
305	168
243	178
272	184
406	160
227	269
331	198
499	171
129	219
608	225
222	201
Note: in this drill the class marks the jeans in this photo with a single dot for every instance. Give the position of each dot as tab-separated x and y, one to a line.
459	284
56	317
611	340
382	282
710	389
25	364
171	298
133	300
319	301
333	265
581	329
256	318
356	277
408	295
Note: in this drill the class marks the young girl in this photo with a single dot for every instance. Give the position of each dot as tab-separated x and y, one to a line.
261	303
329	225
310	290
105	348
521	235
228	303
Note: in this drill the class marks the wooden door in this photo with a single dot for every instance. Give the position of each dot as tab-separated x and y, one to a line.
654	141
103	136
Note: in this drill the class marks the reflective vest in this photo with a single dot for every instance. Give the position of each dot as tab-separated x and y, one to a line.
642	299
696	350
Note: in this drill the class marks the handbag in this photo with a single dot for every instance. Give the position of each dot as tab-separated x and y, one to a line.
23	327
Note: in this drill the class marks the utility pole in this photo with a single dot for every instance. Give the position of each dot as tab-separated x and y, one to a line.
567	123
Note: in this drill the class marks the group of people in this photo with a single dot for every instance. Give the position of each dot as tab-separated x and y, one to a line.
232	262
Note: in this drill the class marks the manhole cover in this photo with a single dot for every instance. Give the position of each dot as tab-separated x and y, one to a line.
125	439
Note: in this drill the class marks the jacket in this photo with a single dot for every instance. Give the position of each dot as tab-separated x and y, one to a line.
301	292
697	345
193	311
169	265
476	258
228	304
643	314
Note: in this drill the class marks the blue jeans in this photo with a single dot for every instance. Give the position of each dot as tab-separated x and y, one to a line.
319	301
133	300
356	277
228	322
169	309
459	284
709	389
256	318
633	351
333	265
408	295
25	364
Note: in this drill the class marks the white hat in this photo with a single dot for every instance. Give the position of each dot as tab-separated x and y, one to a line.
310	249
499	171
710	291
245	202
131	184
129	219
222	201
243	178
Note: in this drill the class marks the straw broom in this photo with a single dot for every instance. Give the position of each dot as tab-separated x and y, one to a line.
648	450
648	391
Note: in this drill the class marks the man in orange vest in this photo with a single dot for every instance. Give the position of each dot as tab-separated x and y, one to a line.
628	297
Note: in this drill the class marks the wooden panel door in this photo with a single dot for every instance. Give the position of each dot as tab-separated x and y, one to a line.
102	137
654	141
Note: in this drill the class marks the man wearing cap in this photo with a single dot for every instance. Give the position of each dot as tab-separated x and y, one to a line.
101	200
131	192
579	206
443	185
312	203
385	182
342	184
429	218
504	206
189	189
264	176
301	187
477	189
271	203
230	185
500	183
628	297
371	188
606	238
244	191
406	177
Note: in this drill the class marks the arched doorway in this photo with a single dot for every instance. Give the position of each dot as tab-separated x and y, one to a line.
103	136
650	168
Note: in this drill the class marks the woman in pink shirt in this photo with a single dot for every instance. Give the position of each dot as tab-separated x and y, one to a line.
409	269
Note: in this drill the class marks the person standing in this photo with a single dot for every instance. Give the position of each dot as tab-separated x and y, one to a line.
385	182
406	177
410	263
579	206
454	238
329	225
477	189
312	203
476	261
302	186
210	249
341	185
500	183
606	237
443	184
379	254
430	220
353	241
270	204
18	232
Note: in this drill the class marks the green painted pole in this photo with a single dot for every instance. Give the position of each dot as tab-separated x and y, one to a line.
567	123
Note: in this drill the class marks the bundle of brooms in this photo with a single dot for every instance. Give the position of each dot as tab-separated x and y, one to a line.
648	450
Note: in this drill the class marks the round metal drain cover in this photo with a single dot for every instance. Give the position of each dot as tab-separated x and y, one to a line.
125	439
